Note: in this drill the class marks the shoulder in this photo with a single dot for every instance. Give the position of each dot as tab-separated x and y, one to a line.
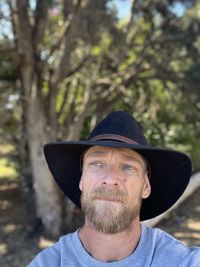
166	246
192	259
51	256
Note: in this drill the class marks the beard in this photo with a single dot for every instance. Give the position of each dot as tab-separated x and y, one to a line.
107	210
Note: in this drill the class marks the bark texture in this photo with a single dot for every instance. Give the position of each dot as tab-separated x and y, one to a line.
28	41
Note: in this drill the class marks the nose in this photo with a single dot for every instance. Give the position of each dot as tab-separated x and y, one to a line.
112	177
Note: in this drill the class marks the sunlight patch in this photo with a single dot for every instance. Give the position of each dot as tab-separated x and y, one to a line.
3	248
45	243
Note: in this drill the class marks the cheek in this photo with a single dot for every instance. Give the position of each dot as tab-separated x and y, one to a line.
135	189
87	182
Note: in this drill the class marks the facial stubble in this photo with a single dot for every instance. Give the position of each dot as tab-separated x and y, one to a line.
107	210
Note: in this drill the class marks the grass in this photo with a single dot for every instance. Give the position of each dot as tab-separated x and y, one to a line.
8	170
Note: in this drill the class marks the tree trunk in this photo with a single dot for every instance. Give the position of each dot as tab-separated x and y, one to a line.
33	223
48	201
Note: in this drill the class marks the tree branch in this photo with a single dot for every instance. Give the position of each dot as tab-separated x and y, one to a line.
134	10
69	47
64	100
24	32
40	16
14	27
70	114
78	67
66	28
77	124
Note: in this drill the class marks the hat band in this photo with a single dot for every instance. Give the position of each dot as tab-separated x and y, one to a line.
114	137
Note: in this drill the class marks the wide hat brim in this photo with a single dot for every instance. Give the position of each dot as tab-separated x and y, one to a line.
170	172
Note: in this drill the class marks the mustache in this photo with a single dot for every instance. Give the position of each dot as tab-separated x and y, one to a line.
109	193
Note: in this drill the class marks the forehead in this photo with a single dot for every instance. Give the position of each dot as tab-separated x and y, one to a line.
126	153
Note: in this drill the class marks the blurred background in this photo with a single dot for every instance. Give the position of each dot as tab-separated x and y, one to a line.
63	66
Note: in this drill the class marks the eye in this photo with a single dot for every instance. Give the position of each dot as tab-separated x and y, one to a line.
97	164
128	167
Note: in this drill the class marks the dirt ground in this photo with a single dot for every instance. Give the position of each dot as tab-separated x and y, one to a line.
17	248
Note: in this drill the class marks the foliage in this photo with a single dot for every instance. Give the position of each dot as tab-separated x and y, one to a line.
66	64
148	64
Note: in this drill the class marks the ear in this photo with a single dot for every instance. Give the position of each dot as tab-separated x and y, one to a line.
80	184
146	188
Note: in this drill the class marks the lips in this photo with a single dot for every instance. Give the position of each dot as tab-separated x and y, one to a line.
109	199
109	194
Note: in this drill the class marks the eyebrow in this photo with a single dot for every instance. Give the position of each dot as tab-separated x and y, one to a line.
132	158
101	153
95	153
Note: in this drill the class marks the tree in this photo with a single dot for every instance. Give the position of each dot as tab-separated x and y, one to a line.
34	62
77	61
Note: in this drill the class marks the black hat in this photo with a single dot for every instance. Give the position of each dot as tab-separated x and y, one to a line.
170	170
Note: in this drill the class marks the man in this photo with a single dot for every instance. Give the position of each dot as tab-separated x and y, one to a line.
122	180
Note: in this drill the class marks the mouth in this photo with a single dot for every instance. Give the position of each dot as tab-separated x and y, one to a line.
108	199
109	195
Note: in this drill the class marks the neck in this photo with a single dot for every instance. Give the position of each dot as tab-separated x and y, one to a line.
112	247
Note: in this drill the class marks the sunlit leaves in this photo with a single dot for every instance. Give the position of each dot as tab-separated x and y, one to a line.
103	46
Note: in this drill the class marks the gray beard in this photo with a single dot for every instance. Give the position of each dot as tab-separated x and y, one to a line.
109	217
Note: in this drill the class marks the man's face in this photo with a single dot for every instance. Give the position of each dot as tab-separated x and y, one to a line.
113	183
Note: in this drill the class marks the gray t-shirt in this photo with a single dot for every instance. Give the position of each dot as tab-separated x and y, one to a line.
155	249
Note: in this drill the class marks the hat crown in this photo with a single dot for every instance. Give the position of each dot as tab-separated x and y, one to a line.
119	126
